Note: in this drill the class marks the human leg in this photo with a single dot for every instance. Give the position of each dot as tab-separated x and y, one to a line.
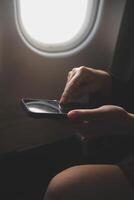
90	182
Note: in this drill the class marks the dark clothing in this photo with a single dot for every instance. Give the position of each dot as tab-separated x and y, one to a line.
122	94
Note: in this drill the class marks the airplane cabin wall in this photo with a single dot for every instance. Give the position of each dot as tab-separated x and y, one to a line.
25	73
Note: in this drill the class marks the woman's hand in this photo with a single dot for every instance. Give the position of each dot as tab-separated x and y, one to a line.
82	81
105	120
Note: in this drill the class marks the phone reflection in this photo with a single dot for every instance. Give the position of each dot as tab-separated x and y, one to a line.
43	107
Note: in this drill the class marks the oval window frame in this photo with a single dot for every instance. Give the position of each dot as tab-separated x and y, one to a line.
62	47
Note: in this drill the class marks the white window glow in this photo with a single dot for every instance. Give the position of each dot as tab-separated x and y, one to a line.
54	22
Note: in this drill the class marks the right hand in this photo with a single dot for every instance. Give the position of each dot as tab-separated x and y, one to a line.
102	121
84	80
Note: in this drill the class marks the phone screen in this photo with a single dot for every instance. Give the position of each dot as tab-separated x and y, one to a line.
43	107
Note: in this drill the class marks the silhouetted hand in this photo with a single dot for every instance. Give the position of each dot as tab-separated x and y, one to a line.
84	80
105	120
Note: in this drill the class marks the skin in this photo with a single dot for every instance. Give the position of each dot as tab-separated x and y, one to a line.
105	120
87	182
82	81
93	181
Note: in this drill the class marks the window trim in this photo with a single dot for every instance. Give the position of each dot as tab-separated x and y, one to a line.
63	47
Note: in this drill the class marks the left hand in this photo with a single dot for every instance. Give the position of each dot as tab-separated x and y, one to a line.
105	120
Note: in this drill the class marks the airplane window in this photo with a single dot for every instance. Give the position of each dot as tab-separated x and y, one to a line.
55	25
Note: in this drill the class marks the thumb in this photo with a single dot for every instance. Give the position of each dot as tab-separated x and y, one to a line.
87	114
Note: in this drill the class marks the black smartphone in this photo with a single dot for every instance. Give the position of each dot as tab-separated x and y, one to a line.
49	109
40	108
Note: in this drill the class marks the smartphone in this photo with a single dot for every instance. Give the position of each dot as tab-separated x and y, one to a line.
42	108
49	109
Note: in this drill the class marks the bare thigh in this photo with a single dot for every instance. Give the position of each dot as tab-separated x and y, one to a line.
95	182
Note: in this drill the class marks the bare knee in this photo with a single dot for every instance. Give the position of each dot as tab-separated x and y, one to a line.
55	189
89	182
66	185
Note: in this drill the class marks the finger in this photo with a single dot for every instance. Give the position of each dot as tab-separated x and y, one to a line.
70	88
72	73
89	114
79	93
76	79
